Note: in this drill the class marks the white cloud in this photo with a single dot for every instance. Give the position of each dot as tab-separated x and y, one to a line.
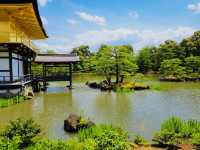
136	37
44	20
194	7
133	14
43	2
72	21
92	18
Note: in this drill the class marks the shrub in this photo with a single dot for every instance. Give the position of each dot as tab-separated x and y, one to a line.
25	129
10	144
44	144
175	131
105	137
139	140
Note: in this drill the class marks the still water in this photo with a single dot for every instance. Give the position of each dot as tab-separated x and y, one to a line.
140	112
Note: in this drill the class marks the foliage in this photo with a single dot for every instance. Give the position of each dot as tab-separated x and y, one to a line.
172	67
84	53
193	65
139	140
10	144
5	102
44	144
115	60
144	60
105	137
25	129
175	131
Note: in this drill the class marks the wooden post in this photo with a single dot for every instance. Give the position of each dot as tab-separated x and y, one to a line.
44	76
10	65
70	75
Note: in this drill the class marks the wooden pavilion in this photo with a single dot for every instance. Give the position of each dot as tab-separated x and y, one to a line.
50	61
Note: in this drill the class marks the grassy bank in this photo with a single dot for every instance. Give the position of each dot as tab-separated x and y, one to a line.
174	133
5	102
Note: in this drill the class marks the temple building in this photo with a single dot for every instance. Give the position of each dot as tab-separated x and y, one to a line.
20	23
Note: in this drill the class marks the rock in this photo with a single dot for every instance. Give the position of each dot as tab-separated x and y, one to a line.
74	123
93	85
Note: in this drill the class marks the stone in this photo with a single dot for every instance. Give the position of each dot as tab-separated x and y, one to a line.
74	123
71	123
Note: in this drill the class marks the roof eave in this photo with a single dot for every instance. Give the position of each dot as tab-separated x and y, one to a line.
35	7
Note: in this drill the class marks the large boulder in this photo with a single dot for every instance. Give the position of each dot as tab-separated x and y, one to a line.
74	123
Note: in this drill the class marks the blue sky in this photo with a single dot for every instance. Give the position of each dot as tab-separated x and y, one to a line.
71	23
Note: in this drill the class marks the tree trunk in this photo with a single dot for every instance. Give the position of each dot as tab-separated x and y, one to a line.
108	80
117	73
122	79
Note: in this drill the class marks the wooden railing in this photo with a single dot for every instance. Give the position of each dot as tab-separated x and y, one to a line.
21	79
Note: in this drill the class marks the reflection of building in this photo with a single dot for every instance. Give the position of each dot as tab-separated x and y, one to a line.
20	23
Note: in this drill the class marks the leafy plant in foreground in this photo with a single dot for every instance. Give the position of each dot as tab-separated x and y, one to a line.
175	131
26	130
105	137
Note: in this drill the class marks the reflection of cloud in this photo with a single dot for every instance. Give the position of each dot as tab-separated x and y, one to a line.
136	37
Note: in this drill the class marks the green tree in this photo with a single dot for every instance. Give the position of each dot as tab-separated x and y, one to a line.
172	67
193	65
191	45
115	60
84	53
171	49
144	60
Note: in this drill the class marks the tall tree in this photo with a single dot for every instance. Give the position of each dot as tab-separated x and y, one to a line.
144	60
172	67
115	60
84	53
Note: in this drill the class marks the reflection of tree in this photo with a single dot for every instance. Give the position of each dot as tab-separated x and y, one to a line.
114	108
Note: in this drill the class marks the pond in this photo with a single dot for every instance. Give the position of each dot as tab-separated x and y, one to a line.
140	112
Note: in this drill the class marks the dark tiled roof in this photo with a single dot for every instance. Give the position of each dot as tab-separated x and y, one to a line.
56	58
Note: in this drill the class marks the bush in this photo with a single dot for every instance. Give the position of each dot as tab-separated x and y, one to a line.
105	137
10	144
26	130
44	144
175	131
139	140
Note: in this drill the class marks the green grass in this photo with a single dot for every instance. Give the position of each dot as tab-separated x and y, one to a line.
5	102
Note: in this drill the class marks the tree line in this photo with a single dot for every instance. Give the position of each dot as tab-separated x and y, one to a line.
180	60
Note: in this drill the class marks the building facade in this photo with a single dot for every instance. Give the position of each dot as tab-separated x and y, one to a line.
20	23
